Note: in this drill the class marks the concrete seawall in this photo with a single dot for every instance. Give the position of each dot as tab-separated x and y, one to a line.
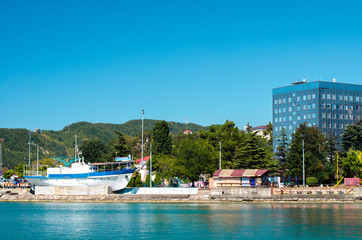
202	195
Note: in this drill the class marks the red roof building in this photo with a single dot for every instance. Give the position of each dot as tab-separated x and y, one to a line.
145	159
239	177
187	132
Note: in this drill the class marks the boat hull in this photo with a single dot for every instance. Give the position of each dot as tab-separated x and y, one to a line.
117	180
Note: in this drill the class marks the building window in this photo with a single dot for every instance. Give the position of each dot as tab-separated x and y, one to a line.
313	95
294	94
323	115
323	96
346	116
284	109
298	98
304	116
334	125
304	107
290	109
323	105
275	102
313	105
341	116
329	125
309	97
280	119
276	110
342	125
328	96
294	113
324	125
309	106
280	110
290	100
276	120
333	106
328	115
280	101
309	115
290	127
314	115
298	117
345	98
357	99
305	97
350	98
294	122
276	129
290	118
334	97
298	108
284	119
340	97
284	100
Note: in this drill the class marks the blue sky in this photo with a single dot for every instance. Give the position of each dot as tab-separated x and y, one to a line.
102	61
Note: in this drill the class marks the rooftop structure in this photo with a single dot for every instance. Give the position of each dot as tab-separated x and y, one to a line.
331	106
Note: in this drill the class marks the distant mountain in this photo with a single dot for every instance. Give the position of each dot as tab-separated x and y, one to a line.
61	143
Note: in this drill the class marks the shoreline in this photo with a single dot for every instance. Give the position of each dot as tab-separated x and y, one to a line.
24	195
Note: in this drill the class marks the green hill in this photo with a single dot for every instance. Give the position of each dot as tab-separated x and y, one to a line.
61	143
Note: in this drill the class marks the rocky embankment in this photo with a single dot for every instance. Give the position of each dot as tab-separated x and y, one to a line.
203	195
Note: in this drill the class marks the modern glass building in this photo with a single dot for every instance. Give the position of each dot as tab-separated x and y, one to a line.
331	106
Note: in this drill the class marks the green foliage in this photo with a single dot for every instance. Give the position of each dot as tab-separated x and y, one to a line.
162	138
352	137
315	153
195	157
158	179
229	136
19	170
61	143
8	174
94	150
120	147
165	165
147	181
352	164
251	154
281	149
311	181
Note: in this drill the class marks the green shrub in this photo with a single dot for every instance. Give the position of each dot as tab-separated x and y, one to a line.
311	181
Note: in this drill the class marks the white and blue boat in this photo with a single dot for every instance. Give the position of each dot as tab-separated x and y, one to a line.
78	173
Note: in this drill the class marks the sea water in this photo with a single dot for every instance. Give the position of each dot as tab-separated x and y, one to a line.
179	221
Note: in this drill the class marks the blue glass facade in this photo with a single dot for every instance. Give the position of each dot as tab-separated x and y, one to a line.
329	105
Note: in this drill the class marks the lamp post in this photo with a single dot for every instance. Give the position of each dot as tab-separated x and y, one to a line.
29	146
220	155
303	166
37	158
143	112
151	165
1	154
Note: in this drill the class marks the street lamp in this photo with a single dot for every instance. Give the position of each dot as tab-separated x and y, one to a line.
303	166
1	154
29	145
220	155
37	158
151	165
143	112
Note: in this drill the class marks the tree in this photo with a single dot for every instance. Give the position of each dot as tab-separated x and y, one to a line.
8	174
94	150
229	136
19	170
253	154
352	137
165	165
195	157
282	149
162	138
352	164
315	153
120	147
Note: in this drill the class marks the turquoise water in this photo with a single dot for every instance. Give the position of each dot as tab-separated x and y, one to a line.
179	221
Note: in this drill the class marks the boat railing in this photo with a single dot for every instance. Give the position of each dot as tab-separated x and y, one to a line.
35	170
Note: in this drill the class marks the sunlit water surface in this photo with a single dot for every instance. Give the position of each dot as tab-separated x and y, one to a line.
179	221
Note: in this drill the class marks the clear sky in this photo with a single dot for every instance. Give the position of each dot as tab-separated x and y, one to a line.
102	61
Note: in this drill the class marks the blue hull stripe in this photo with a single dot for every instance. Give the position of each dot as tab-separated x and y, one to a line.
85	175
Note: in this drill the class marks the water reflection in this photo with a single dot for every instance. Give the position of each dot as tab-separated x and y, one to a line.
179	221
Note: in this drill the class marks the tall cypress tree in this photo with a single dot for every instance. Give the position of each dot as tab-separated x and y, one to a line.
162	138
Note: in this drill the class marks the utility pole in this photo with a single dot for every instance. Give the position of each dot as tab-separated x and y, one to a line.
220	155
29	146
151	165
303	166
1	154
143	112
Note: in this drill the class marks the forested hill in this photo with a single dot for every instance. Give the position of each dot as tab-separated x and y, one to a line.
61	143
